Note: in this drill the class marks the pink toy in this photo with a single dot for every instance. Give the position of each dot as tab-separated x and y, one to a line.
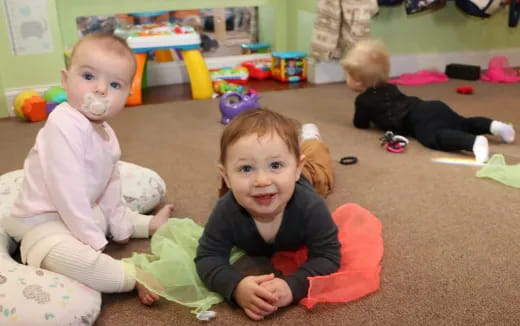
232	103
420	78
393	143
499	71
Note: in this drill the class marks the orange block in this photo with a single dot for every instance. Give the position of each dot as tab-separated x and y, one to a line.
34	109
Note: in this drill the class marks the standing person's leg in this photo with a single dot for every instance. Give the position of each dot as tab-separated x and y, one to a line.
317	166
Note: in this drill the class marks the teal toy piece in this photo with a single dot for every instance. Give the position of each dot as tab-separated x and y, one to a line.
55	94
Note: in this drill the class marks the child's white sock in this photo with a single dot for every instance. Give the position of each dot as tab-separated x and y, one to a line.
310	131
505	131
481	149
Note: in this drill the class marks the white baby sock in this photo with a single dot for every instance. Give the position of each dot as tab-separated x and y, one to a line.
481	149
310	131
505	131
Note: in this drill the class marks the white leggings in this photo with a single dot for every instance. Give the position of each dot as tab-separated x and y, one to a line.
51	246
93	268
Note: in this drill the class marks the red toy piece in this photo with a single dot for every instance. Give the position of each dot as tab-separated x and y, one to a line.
465	90
259	68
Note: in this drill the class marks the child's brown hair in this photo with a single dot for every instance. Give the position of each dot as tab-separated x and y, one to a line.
367	62
260	122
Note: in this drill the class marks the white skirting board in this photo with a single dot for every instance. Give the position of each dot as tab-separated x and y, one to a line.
324	72
321	72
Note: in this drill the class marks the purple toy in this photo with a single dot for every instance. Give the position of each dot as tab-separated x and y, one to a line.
232	103
49	106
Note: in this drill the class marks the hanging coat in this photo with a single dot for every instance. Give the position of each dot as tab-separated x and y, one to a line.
340	24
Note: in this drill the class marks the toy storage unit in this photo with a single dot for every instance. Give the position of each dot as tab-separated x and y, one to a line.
289	66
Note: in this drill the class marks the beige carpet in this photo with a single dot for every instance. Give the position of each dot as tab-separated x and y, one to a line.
452	240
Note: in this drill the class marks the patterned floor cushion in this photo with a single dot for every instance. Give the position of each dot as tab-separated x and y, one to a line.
33	296
143	189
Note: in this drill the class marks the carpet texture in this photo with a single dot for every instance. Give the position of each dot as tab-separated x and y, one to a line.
452	240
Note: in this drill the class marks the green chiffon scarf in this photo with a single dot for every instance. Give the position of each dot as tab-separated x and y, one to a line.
170	270
497	169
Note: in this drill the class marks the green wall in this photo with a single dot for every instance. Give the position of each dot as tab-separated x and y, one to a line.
3	54
286	24
69	9
3	106
30	70
445	30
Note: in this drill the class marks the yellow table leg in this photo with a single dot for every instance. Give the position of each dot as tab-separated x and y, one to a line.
201	86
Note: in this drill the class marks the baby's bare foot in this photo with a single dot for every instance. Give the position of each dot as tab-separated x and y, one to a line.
146	296
161	217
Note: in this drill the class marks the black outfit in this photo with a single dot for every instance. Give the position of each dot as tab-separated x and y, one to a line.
306	222
433	123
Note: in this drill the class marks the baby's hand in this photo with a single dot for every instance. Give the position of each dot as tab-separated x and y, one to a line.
256	301
280	289
161	217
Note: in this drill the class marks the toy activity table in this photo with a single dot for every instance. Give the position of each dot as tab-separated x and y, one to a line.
157	36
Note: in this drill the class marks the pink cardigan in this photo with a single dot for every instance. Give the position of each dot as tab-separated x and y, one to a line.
70	169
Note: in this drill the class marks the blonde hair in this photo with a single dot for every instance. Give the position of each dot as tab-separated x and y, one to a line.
260	122
109	42
368	62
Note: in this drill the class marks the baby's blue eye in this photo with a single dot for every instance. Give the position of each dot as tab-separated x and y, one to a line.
87	76
246	168
276	165
115	85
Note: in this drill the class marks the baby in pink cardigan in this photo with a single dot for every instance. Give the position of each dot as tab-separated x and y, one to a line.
70	202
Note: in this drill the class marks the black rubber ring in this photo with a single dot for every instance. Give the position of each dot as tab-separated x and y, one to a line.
348	160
